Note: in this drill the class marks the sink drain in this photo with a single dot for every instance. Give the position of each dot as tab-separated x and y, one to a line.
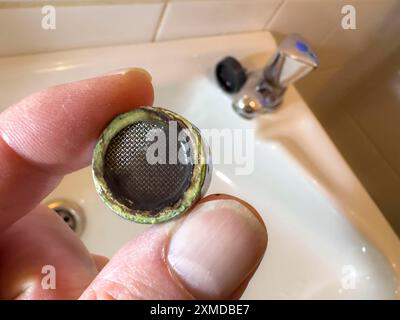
70	212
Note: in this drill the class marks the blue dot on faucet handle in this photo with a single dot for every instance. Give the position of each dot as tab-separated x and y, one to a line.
301	46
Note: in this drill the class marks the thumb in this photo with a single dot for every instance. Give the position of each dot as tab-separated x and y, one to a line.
209	254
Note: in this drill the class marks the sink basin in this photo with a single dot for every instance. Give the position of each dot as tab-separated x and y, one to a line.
327	239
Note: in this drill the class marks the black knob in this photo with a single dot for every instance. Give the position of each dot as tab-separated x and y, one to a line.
230	74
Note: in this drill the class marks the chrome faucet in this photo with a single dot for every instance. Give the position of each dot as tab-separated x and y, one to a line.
262	91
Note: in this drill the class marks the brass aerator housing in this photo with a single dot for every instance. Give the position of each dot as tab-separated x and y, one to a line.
151	165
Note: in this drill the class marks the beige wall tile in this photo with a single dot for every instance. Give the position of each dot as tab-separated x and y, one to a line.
316	88
184	19
378	111
356	147
383	184
353	53
84	26
342	45
313	19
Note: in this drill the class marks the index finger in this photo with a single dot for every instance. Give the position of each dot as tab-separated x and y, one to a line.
53	132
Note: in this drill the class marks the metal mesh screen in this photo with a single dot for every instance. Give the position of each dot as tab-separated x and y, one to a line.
133	180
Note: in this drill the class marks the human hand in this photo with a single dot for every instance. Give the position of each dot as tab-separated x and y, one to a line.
210	253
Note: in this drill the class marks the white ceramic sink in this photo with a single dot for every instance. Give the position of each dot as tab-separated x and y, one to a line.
327	239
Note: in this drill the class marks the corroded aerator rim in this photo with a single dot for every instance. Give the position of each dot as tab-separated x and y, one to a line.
200	174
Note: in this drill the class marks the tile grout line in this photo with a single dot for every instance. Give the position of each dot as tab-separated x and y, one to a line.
159	22
329	34
267	23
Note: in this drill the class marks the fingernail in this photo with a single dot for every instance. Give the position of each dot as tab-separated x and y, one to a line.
127	70
216	248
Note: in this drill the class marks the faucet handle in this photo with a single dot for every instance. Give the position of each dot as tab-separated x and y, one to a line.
263	90
293	59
